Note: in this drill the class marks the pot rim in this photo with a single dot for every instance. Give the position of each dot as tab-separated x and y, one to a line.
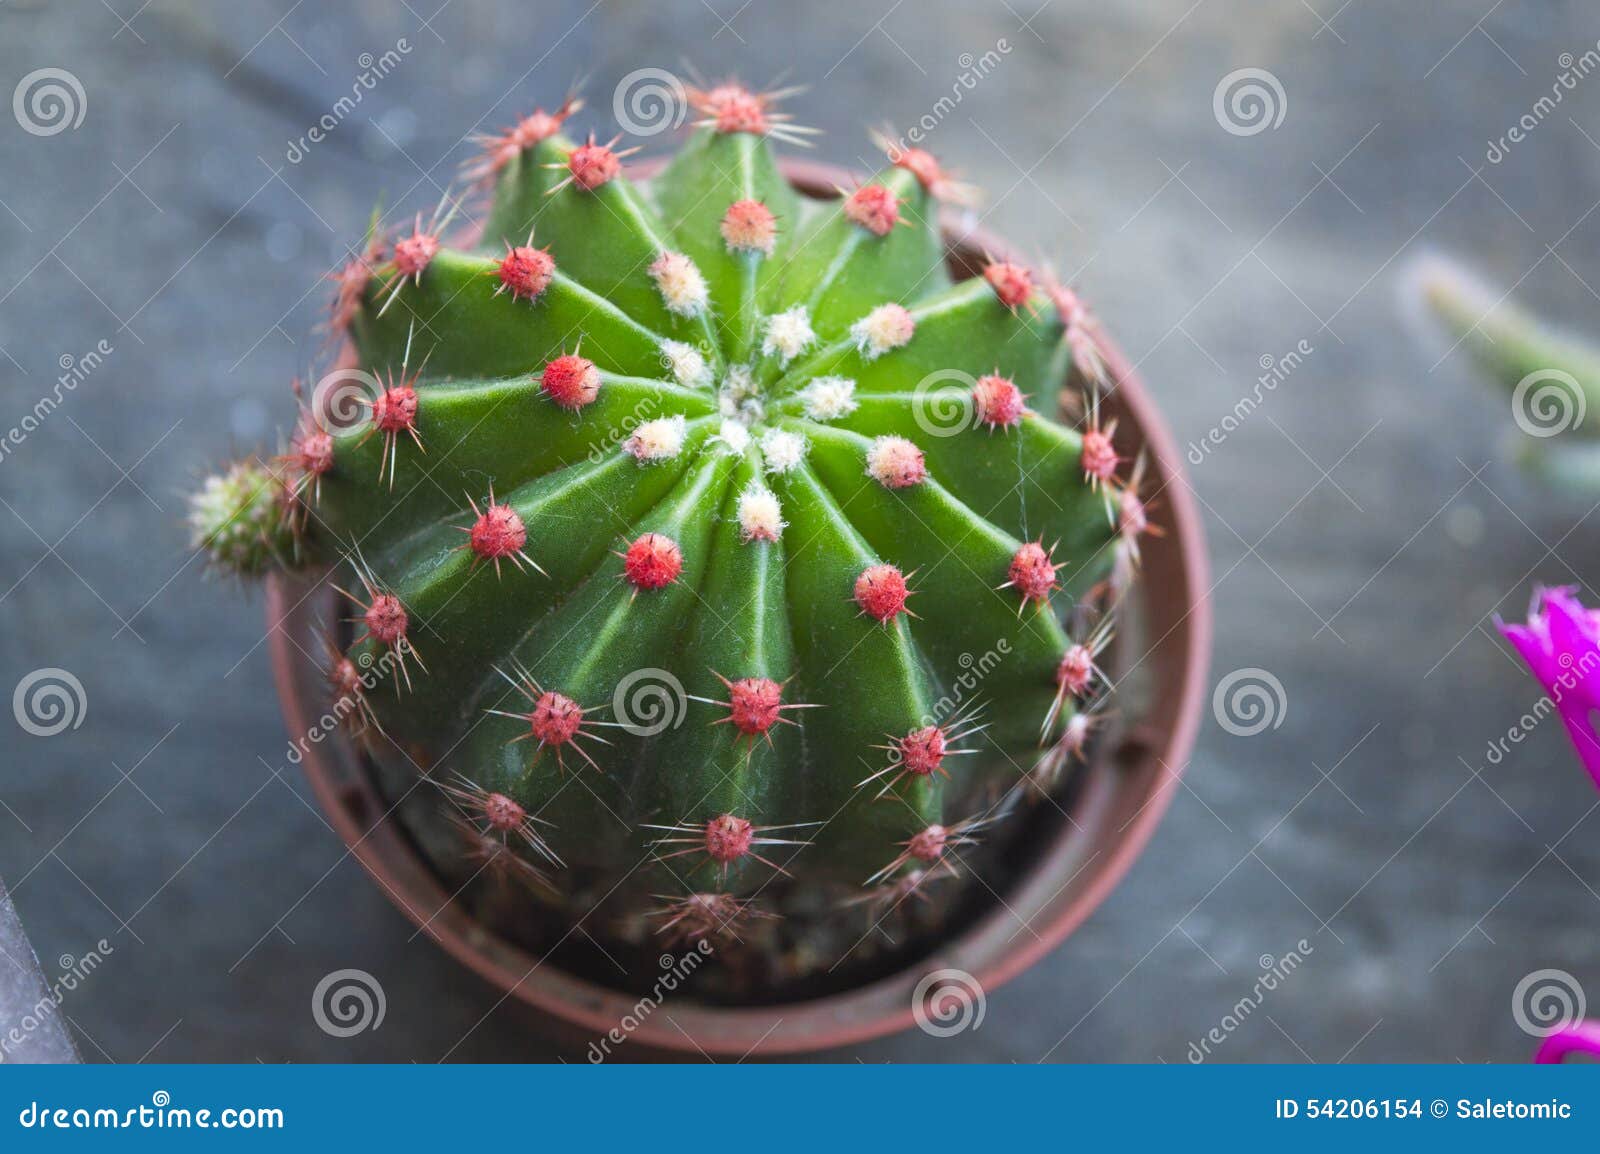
1161	747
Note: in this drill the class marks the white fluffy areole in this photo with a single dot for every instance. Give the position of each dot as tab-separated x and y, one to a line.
788	334
739	399
734	435
682	287
829	398
782	450
685	363
658	440
889	326
760	515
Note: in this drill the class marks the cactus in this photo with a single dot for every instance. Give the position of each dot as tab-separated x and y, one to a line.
757	574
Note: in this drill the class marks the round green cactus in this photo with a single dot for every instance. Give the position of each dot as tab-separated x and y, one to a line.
752	566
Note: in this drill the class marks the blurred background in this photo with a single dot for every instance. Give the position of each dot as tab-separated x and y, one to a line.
166	241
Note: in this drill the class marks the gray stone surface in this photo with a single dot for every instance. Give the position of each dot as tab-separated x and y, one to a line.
1365	521
31	1029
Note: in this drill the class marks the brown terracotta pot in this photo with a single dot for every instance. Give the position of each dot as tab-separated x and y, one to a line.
1122	794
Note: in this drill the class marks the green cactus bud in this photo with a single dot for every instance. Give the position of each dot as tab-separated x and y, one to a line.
241	517
1552	378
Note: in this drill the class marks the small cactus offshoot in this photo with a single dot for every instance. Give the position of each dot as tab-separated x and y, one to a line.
244	518
759	577
1551	377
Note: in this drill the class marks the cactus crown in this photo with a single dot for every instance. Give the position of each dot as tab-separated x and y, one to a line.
752	567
